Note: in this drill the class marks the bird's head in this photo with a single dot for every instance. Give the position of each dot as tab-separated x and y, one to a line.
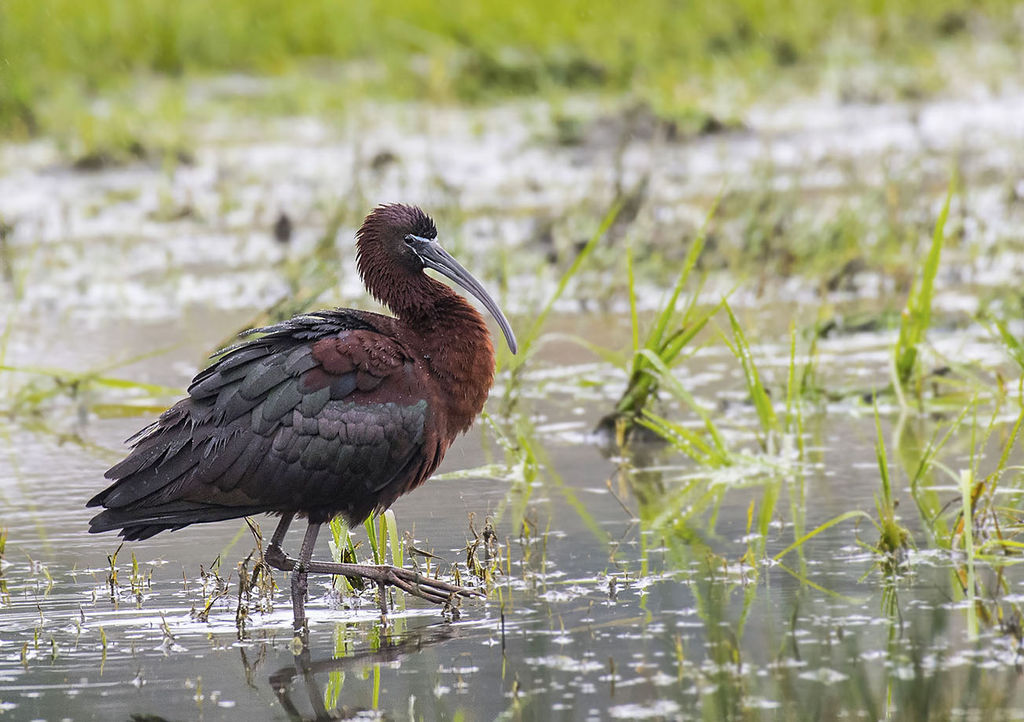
397	242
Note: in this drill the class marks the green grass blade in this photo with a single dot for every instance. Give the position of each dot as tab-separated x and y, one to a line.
683	439
534	332
1010	445
397	552
883	461
371	534
758	395
643	383
609	356
790	378
90	377
668	310
856	513
916	315
1013	345
680	391
966	488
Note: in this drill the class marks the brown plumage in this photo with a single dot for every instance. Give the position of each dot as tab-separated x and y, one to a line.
337	412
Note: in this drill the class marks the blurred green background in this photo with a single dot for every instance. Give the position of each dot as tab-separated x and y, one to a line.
56	53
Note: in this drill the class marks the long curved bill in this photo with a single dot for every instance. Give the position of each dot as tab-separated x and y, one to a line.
433	256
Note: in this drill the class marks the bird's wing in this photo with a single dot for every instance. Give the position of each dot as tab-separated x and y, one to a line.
321	415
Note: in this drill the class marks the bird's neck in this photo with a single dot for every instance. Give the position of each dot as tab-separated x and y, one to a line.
456	347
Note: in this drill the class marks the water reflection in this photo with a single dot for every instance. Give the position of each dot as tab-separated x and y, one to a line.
325	699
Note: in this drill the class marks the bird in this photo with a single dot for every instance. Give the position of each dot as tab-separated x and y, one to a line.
336	412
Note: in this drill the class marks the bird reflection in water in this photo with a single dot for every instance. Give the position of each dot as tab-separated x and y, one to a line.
306	670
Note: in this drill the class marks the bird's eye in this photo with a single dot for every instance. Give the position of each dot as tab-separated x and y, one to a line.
409	239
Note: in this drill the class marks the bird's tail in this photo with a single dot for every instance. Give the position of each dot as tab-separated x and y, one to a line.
136	524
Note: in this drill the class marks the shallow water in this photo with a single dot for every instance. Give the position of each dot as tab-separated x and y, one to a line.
635	588
650	614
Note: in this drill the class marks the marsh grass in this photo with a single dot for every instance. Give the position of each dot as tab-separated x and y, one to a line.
5	595
981	523
650	364
382	536
801	387
533	467
485	544
994	525
708	449
256	586
917	314
664	52
125	129
213	588
1012	344
382	531
769	424
112	583
343	550
781	439
893	539
967	515
85	389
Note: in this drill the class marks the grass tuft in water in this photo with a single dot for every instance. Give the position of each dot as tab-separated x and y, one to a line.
893	539
770	427
652	360
112	572
917	314
484	544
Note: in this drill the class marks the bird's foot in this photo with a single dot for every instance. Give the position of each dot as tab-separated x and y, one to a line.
424	587
410	582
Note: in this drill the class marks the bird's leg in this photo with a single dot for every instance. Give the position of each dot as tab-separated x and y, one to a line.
274	555
410	582
382	600
299	576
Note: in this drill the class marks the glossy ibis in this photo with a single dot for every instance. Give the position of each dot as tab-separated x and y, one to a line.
337	412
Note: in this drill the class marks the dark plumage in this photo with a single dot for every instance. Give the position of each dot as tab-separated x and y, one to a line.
335	412
321	416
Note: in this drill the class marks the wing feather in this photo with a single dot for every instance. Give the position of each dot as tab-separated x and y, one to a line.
324	414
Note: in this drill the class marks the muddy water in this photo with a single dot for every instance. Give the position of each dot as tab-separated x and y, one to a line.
637	587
